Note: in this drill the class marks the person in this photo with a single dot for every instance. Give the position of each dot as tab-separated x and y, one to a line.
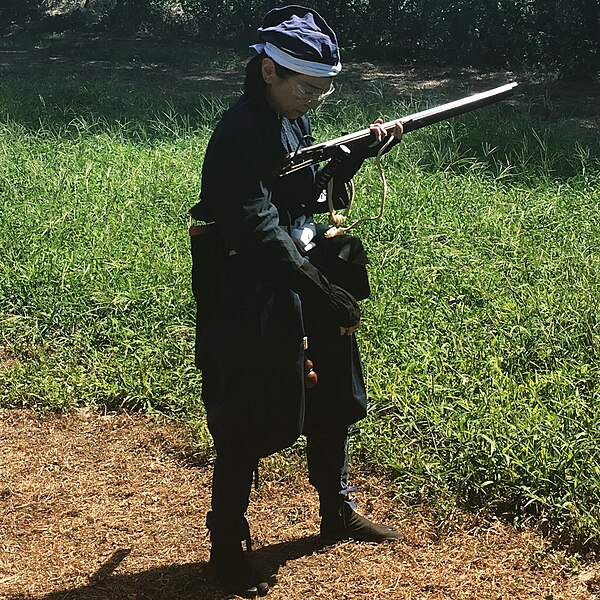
260	296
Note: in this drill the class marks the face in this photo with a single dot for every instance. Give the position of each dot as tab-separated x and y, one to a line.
293	96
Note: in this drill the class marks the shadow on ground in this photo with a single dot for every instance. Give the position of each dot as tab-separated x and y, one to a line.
179	67
163	68
181	582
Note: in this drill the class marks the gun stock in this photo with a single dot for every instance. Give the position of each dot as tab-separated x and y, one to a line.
326	150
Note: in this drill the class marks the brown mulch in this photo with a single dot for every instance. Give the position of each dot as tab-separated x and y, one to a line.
112	507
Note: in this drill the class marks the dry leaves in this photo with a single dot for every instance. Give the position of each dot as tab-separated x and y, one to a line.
110	507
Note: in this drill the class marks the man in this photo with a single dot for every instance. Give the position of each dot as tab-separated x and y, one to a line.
259	297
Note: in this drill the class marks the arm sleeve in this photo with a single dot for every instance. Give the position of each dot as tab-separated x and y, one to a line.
234	183
348	168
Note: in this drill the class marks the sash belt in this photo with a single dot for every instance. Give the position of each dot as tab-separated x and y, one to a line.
209	229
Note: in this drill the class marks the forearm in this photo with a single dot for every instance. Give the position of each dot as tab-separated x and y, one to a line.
347	169
252	230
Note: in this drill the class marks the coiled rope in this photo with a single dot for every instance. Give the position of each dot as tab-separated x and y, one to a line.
336	220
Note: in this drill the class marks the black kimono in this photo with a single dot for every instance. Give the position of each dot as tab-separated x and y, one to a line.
268	297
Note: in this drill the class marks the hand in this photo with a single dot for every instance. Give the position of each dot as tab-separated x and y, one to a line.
398	130
349	330
346	310
378	133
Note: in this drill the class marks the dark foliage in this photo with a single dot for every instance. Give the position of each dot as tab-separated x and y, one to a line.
19	13
560	35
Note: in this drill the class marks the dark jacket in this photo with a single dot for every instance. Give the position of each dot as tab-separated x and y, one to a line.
267	297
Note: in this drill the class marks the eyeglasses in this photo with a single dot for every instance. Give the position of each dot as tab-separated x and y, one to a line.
309	97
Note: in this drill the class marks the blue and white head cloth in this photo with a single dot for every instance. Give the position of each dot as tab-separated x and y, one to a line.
299	39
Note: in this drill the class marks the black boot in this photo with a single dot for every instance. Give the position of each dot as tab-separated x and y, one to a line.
346	524
235	572
228	560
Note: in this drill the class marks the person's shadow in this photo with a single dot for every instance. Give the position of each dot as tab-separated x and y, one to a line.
181	582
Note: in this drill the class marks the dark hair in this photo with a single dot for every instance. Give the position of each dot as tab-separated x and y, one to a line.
254	81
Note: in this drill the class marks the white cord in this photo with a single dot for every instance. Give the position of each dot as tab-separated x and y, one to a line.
336	220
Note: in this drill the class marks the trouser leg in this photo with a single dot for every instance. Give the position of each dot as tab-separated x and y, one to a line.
328	472
327	457
232	481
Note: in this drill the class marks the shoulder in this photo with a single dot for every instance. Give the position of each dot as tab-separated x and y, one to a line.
248	138
243	123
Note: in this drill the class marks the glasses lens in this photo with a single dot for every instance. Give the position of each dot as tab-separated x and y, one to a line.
310	97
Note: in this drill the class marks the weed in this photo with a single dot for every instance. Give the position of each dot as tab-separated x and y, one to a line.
480	340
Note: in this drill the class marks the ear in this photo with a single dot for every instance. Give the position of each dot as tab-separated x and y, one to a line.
268	70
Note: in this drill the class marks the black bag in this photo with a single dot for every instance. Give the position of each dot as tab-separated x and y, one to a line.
343	260
208	256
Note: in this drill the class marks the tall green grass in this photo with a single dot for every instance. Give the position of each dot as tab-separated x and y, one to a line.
480	339
94	269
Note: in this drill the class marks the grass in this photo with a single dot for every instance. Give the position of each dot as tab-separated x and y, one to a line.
492	319
480	339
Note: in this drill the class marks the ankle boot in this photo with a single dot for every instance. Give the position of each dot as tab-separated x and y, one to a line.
235	572
349	525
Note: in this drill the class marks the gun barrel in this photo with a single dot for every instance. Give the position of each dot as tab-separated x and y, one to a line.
326	150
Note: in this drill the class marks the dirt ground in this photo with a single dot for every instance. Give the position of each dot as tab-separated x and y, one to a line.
180	67
112	506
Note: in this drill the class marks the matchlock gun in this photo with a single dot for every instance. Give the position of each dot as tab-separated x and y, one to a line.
325	151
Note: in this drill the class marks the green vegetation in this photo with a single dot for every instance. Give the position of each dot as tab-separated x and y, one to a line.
557	35
480	339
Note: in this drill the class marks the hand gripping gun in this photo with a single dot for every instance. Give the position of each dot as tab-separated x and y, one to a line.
324	151
336	150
